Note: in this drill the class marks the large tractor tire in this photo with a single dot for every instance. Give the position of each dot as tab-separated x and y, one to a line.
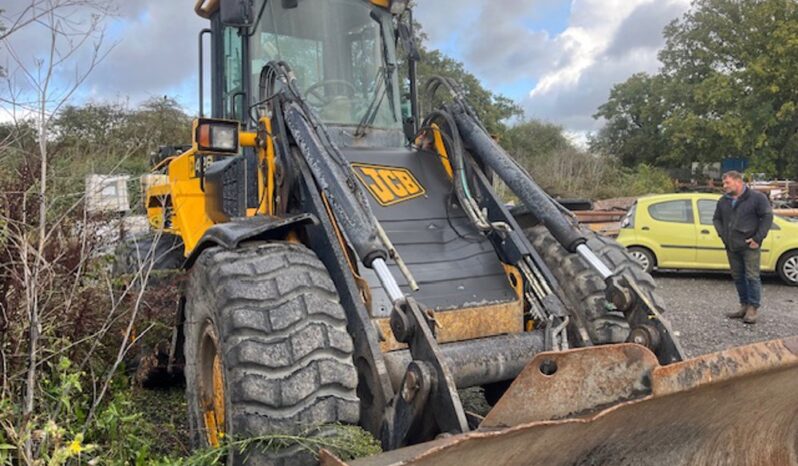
584	288
267	351
133	254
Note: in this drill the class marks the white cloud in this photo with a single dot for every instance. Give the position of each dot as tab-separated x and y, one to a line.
572	67
609	41
151	45
605	42
157	54
490	36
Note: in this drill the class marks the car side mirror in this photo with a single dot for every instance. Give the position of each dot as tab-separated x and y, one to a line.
236	13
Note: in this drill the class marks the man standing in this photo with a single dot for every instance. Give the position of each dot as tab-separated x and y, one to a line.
742	219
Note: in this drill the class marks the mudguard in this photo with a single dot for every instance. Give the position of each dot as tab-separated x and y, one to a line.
616	405
231	234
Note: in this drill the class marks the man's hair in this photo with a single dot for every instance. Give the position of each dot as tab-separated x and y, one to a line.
733	174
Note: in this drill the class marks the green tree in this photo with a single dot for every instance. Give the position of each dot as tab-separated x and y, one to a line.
533	140
110	138
635	113
115	127
91	126
160	121
728	88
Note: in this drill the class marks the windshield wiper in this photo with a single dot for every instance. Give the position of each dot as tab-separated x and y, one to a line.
386	73
380	90
254	26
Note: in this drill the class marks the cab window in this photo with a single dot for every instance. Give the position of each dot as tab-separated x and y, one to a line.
706	210
672	211
232	73
341	56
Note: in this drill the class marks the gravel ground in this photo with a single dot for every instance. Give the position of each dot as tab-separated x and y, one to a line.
697	302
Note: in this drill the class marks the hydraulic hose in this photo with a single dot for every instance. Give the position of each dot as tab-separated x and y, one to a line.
520	182
454	149
329	167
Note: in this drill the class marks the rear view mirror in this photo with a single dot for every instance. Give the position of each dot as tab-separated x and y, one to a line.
408	42
236	13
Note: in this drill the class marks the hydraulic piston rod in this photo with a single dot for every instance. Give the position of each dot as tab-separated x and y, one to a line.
648	327
594	261
388	282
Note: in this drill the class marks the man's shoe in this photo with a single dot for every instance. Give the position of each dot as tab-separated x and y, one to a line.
738	314
750	315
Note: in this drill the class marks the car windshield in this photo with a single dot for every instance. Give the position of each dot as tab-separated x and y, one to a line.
341	54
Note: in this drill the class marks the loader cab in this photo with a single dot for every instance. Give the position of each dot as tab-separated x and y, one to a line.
342	52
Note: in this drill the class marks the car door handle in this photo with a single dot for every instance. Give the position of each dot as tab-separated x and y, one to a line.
704	232
645	228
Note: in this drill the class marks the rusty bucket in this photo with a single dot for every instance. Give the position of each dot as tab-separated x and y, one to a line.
616	405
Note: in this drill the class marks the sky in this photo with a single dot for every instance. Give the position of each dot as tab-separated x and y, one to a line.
557	58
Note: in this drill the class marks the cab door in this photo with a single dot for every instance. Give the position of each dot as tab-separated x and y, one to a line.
670	225
710	252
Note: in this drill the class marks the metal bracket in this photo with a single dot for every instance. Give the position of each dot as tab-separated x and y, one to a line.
648	327
513	248
428	396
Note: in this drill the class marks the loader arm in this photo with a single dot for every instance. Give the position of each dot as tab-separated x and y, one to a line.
428	396
648	327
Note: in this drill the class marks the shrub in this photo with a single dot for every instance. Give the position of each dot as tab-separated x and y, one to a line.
572	173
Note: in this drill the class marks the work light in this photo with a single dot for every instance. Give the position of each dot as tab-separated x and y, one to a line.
217	136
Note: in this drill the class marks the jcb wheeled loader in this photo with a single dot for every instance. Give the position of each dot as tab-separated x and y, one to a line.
350	262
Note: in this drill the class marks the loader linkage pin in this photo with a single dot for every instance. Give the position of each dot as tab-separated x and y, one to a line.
647	325
427	377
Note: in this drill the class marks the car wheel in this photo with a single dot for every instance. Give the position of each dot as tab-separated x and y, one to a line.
788	268
644	257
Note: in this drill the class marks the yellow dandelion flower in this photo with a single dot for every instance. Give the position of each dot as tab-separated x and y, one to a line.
75	447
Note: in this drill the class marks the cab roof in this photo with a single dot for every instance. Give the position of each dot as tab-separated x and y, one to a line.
205	8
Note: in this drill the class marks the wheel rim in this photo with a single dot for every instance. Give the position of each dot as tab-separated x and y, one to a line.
641	258
211	386
790	269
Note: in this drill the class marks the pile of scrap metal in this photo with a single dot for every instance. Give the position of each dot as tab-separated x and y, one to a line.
783	194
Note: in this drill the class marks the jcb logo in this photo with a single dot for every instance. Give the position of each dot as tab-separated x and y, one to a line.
388	185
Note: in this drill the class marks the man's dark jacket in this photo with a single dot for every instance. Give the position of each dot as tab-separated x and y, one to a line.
750	217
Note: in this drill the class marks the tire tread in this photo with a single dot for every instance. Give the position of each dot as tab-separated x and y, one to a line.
584	287
286	351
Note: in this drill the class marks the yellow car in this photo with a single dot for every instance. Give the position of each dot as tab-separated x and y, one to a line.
675	231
